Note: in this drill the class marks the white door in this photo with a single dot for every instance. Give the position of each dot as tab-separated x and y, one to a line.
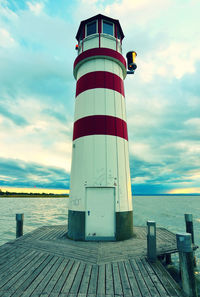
100	214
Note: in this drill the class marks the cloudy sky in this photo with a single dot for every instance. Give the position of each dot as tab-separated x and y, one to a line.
37	90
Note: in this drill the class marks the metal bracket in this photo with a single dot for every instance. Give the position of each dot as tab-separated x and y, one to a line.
130	72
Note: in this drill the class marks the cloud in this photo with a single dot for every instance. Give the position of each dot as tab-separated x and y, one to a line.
40	62
60	116
15	118
37	136
180	58
18	173
36	7
6	40
193	122
139	12
162	177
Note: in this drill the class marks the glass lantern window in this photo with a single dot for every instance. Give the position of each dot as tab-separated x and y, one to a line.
91	28
118	34
81	35
107	28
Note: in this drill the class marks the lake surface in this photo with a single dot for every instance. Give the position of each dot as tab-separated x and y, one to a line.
167	211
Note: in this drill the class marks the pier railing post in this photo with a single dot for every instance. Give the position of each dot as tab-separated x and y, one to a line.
189	225
184	245
19	224
151	241
190	229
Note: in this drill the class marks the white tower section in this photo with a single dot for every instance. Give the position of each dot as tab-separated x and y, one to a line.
100	205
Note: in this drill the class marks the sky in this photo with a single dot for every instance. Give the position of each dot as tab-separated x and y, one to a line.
37	91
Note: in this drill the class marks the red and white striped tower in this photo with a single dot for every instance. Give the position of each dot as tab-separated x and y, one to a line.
100	205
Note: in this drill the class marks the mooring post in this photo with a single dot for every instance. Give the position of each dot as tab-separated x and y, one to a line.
189	225
168	259
19	224
151	241
184	245
190	229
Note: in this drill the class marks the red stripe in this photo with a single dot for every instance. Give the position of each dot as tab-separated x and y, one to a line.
100	52
100	125
100	79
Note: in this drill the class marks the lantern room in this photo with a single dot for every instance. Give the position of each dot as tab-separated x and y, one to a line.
99	31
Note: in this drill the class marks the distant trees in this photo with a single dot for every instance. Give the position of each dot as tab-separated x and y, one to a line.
17	194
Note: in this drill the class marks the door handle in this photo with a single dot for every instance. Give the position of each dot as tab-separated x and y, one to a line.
88	212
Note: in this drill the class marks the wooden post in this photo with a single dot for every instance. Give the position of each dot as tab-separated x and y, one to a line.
184	245
151	241
168	259
189	225
190	229
19	224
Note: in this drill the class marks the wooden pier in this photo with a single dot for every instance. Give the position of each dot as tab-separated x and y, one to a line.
45	263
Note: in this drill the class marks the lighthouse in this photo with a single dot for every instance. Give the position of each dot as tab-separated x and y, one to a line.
100	202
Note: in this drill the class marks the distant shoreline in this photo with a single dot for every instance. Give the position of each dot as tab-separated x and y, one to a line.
32	196
25	195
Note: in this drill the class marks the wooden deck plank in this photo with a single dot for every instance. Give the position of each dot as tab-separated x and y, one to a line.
117	281
10	276
51	235
4	250
25	281
85	280
109	280
10	255
73	295
61	243
60	285
132	280
170	286
141	283
154	278
151	287
36	234
14	259
70	277
33	284
63	250
60	234
170	280
62	266
10	267
44	283
5	294
101	280
77	279
93	281
124	280
53	294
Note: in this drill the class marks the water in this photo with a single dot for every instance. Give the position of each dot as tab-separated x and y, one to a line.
167	211
37	212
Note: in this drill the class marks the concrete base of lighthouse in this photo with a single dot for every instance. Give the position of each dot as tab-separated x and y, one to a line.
77	226
124	225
